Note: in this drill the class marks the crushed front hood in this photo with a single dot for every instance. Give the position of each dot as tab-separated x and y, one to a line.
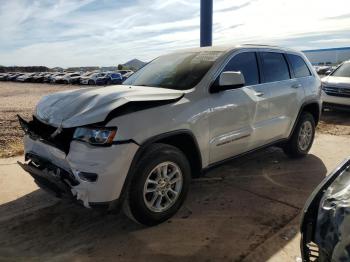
91	105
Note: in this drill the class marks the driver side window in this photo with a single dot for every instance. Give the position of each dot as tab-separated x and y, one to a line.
246	63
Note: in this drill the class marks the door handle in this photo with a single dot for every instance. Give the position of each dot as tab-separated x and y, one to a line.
259	94
296	85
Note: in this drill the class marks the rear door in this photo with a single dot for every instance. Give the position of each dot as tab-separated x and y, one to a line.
283	94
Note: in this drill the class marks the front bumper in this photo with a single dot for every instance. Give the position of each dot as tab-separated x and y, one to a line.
110	163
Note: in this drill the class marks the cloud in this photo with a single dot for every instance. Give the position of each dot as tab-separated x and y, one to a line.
108	32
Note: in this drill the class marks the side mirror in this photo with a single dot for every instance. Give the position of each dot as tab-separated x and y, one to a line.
229	80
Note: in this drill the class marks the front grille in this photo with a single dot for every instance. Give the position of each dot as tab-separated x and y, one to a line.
61	141
337	91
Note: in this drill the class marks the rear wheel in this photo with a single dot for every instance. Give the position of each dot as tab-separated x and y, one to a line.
159	186
302	137
91	82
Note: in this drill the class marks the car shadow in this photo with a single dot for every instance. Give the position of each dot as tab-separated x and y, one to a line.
229	212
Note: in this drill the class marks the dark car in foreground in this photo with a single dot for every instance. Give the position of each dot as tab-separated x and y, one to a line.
325	225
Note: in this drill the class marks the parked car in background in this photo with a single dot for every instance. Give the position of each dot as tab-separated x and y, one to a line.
109	78
27	77
123	72
336	87
325	222
48	78
323	70
57	78
127	75
91	79
138	144
74	78
14	76
3	76
66	78
39	78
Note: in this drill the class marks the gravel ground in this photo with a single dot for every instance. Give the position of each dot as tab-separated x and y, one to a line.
21	98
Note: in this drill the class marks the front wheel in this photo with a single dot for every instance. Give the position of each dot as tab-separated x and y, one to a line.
91	82
302	138
159	186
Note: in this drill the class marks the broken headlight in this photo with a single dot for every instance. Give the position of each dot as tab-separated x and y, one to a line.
95	135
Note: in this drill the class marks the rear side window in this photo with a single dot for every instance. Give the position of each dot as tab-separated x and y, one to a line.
274	67
245	63
299	66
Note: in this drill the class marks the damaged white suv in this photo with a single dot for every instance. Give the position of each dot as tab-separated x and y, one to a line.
139	144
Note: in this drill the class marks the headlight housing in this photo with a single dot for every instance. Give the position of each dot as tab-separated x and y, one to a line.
95	135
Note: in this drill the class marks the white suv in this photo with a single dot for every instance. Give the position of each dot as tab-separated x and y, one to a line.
140	143
336	87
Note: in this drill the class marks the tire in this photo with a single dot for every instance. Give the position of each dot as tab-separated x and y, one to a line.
91	82
138	204
295	148
109	82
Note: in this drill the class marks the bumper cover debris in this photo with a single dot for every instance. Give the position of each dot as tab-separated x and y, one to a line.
51	178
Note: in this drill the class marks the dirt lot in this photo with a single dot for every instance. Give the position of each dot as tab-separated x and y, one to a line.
19	98
245	210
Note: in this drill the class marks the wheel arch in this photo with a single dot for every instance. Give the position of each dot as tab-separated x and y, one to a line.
184	140
313	107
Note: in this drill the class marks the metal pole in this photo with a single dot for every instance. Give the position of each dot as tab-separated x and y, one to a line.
206	22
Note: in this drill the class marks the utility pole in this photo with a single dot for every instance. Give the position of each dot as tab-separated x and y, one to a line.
206	33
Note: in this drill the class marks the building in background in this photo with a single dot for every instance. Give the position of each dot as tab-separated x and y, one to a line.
328	56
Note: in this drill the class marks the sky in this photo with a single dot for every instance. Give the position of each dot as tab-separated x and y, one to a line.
108	32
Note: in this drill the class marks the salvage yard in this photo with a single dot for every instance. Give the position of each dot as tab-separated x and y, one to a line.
245	210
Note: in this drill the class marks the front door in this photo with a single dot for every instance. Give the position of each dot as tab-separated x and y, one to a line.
234	112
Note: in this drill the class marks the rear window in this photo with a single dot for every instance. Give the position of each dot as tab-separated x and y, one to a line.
274	67
299	66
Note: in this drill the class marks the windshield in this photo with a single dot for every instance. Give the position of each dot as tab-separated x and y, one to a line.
179	71
342	71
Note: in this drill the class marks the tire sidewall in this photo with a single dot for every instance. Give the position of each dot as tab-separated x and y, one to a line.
305	117
146	164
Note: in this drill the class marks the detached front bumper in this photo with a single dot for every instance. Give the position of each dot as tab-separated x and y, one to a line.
60	173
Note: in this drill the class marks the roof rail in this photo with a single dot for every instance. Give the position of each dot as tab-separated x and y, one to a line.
262	45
